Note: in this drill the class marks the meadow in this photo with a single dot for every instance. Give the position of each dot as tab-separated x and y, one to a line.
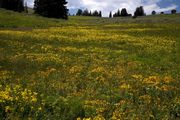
89	68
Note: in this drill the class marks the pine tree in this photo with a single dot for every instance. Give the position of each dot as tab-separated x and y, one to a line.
79	12
51	8
86	12
118	13
153	12
110	15
1	1
173	11
15	5
139	11
100	14
124	12
95	13
20	5
26	8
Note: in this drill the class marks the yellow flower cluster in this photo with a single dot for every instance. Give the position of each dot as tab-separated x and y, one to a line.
137	76
98	117
159	82
168	79
98	70
16	96
75	69
28	95
121	111
4	74
125	86
154	80
5	95
99	105
46	73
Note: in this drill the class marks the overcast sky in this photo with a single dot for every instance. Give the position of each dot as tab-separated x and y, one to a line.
112	5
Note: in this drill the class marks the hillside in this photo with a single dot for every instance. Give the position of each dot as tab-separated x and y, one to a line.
88	67
12	19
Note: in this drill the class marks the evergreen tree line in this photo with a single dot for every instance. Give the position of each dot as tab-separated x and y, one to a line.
86	12
122	13
138	12
15	5
58	9
46	8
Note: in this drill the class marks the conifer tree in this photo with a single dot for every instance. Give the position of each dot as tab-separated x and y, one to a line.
1	3
51	8
153	12
100	14
15	5
139	11
110	15
79	12
124	12
118	13
26	8
95	13
86	12
20	5
173	11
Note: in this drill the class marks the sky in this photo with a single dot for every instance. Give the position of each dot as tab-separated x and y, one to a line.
113	5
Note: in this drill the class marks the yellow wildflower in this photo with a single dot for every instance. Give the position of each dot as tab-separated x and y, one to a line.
168	79
99	117
154	80
137	76
87	119
125	86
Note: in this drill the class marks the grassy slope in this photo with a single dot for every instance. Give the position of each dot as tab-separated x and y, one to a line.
11	19
88	66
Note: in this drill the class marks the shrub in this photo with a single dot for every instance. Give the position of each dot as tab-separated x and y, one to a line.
173	11
153	12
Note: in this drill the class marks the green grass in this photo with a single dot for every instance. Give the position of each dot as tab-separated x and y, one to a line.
14	20
88	67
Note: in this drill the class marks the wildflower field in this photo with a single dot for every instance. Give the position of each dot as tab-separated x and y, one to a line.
89	68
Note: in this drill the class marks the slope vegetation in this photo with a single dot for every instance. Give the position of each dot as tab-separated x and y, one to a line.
89	68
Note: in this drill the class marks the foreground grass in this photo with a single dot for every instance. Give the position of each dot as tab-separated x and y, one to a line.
89	68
